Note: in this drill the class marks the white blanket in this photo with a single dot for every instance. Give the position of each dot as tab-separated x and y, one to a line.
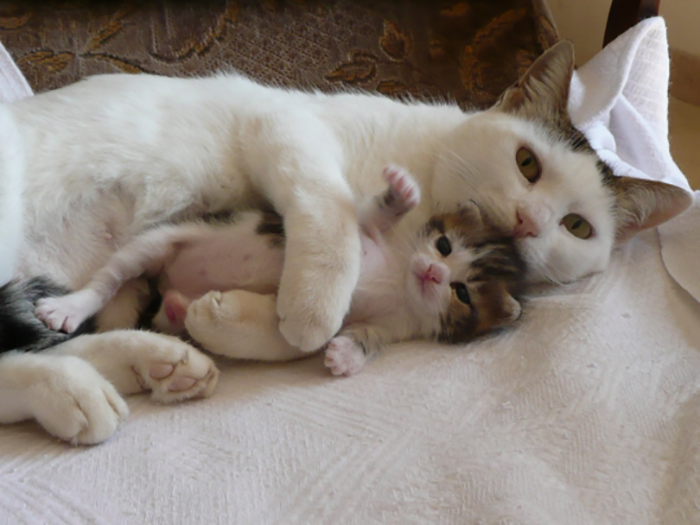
587	412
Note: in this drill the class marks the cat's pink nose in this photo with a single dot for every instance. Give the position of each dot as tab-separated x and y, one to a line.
433	274
526	225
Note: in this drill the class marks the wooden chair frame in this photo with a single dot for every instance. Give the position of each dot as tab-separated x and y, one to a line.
626	13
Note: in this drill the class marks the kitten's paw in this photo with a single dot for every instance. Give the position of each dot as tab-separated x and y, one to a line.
174	371
403	193
344	357
72	401
211	308
68	312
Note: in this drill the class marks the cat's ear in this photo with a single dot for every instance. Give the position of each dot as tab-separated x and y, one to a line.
642	204
543	91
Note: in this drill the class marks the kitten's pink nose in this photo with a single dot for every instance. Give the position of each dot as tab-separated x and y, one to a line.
526	225
433	274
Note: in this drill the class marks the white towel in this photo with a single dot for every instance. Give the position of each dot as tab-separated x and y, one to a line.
619	99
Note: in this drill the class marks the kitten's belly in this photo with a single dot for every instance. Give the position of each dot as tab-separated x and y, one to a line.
372	296
215	264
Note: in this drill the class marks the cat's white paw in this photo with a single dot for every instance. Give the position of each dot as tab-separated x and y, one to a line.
403	188
344	357
310	316
66	313
173	370
72	401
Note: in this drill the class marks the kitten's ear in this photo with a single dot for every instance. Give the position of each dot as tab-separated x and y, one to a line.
498	307
543	91
642	204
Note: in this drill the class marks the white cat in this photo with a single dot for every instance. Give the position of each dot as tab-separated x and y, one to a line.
110	156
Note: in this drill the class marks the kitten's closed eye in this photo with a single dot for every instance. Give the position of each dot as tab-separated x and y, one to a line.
443	246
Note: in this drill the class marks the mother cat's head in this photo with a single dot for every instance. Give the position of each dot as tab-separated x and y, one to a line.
525	162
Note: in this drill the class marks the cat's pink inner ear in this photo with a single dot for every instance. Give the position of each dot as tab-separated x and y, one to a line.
643	204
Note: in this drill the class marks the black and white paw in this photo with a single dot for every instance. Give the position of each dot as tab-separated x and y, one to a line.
344	357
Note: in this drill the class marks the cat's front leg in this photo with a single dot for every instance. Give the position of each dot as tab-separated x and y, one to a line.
64	394
321	268
348	352
296	162
240	325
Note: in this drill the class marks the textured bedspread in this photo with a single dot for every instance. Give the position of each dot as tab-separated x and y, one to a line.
587	412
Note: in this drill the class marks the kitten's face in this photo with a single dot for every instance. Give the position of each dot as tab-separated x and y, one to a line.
462	276
525	164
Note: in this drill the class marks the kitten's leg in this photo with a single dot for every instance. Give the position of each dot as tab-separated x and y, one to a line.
146	253
296	162
239	324
136	361
349	351
64	394
123	311
386	209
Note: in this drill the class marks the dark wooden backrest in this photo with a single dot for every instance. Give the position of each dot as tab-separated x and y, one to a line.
626	13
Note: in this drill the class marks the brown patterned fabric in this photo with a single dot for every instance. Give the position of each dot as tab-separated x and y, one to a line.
467	51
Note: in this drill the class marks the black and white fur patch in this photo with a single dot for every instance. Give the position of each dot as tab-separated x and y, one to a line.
20	329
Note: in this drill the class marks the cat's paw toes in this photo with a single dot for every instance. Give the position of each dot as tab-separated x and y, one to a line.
62	313
211	311
75	403
175	371
403	187
205	309
344	357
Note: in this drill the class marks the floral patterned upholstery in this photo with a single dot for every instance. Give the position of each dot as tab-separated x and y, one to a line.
466	51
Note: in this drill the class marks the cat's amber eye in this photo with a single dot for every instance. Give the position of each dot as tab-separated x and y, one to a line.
461	292
443	246
528	164
578	226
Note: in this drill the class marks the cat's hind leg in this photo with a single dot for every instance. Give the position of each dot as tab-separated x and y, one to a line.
147	253
240	325
136	361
